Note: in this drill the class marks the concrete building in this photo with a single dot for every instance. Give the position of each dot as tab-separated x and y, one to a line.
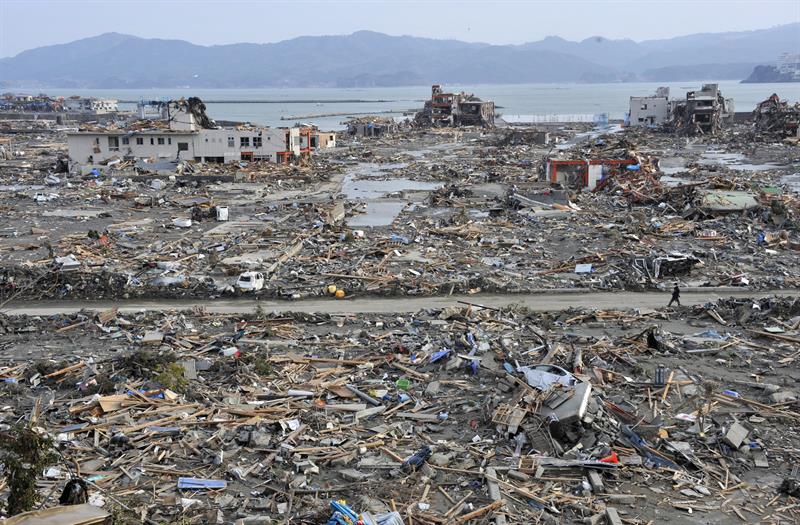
97	106
653	110
311	138
455	109
186	136
789	65
704	112
324	140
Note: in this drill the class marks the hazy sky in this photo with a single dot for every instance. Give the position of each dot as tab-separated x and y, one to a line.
25	24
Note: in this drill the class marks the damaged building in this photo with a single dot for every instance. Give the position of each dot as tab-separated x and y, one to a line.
45	104
188	134
653	110
703	112
583	173
455	109
371	126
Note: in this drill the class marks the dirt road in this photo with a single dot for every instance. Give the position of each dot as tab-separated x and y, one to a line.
537	302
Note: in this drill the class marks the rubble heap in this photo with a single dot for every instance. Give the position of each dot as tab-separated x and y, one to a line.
439	416
776	118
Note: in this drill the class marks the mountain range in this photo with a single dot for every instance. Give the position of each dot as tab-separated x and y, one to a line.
367	58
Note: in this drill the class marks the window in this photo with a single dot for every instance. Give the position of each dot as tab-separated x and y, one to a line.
244	142
231	142
169	140
139	141
125	141
183	146
257	142
151	141
113	143
160	141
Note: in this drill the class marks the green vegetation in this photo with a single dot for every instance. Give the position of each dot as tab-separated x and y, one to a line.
25	454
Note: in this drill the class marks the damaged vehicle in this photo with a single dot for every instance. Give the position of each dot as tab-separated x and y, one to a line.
250	281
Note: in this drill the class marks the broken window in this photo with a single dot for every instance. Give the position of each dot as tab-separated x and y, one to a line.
257	142
160	141
244	142
231	142
183	146
151	141
113	143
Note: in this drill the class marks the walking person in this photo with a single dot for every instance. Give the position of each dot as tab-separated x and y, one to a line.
676	296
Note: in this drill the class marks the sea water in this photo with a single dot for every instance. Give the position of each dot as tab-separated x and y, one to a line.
286	106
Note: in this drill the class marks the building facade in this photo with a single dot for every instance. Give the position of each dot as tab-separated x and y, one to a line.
207	145
789	64
184	139
456	109
92	105
653	110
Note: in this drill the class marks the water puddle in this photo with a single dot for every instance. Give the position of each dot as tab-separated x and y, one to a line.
378	213
673	182
361	184
735	161
672	165
361	189
793	181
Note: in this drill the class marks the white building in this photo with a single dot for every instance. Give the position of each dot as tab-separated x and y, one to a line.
650	111
97	106
789	64
185	140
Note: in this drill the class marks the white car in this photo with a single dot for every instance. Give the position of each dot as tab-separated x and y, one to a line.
250	281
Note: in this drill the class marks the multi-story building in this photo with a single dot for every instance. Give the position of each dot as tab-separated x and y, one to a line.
789	65
183	138
650	111
456	109
92	105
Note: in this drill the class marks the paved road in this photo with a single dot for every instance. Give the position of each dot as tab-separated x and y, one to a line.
537	302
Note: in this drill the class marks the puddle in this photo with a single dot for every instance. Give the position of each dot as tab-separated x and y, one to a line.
373	169
360	184
793	181
361	189
672	165
672	182
735	161
378	213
